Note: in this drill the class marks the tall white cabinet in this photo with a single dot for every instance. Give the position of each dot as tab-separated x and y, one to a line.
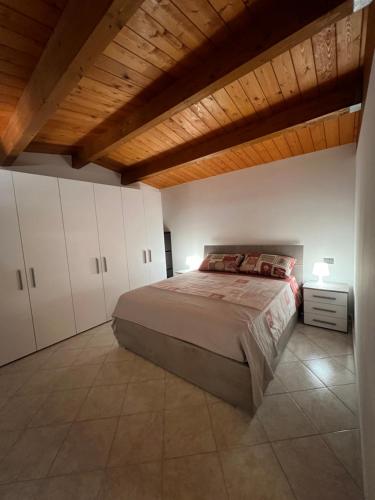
82	241
16	326
155	234
136	237
144	235
46	262
111	233
68	250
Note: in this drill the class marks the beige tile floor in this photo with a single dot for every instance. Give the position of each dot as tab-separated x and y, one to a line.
88	420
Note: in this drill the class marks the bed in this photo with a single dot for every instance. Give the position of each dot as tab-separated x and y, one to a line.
200	325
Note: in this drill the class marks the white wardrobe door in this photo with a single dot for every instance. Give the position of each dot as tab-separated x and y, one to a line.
155	234
135	235
81	232
16	326
112	243
43	240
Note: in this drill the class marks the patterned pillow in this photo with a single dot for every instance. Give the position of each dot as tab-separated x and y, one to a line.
222	262
277	266
249	263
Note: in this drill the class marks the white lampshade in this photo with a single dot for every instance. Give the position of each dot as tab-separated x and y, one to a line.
321	270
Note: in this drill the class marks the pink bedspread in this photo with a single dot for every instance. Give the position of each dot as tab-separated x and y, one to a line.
236	316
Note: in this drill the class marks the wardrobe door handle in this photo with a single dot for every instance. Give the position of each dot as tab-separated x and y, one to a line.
149	255
144	257
19	276
105	264
97	265
33	280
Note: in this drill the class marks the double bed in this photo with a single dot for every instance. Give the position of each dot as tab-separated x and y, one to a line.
224	332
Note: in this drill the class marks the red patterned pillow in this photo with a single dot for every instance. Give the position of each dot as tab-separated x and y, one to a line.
222	262
249	263
277	266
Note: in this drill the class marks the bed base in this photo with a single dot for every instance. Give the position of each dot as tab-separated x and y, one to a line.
223	377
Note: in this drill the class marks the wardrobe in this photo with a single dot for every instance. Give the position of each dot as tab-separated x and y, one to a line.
68	250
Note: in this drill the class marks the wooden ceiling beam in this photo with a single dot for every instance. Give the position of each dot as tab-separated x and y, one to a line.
82	33
335	101
273	30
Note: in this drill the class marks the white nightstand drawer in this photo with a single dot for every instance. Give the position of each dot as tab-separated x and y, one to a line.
332	323
325	297
324	309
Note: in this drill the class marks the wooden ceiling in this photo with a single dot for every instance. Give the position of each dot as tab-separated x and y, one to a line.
170	91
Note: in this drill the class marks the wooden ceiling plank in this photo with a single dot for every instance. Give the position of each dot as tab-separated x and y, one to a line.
346	128
304	66
305	139
286	76
294	143
74	44
348	33
325	55
282	146
20	42
331	130
270	86
327	103
318	136
14	21
238	95
37	10
273	32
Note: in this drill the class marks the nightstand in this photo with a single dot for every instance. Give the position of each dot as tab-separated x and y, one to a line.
326	305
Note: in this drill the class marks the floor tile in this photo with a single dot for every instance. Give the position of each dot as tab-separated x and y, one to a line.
254	473
144	397
42	382
326	411
347	361
348	395
333	343
330	371
85	486
275	386
19	410
233	427
145	370
32	455
104	338
188	431
28	490
103	402
296	377
133	482
304	348
79	341
7	440
61	358
117	354
181	393
313	470
346	445
197	477
76	377
86	447
10	383
115	373
59	408
287	356
92	356
139	438
282	419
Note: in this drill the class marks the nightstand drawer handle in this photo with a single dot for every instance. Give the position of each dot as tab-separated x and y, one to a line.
325	310
324	322
323	297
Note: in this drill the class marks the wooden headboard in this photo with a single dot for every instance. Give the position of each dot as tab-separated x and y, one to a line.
295	251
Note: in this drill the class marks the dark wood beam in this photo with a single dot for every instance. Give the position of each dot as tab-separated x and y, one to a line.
275	28
82	33
335	101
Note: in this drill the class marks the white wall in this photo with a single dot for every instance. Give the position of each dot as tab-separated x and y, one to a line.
60	166
307	199
365	284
